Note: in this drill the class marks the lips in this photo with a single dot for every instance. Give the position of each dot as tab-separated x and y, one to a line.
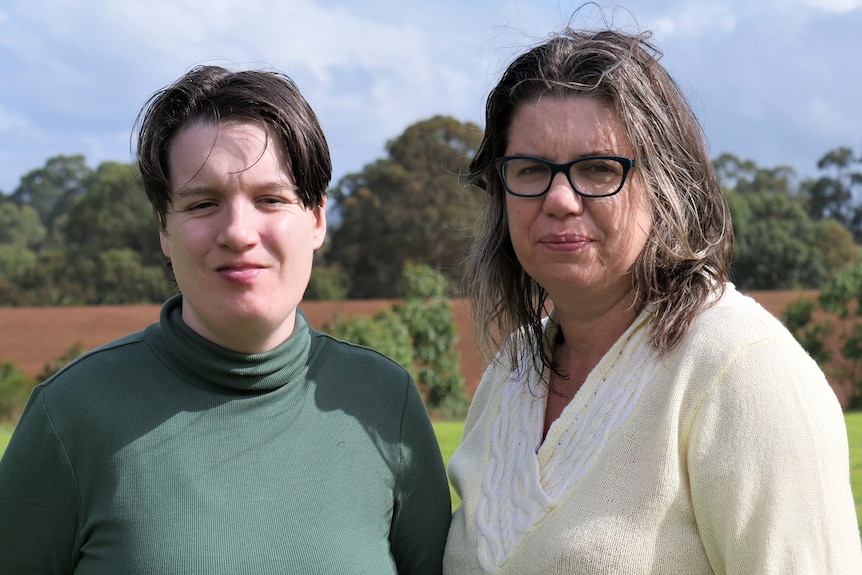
564	242
242	273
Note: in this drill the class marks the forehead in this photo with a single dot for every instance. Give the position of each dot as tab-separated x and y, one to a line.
563	129
226	150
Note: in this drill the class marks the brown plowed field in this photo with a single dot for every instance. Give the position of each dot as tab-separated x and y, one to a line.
32	336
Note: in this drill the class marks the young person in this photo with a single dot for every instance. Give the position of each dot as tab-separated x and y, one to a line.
229	437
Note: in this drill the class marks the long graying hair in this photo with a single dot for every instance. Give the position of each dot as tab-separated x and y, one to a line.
687	256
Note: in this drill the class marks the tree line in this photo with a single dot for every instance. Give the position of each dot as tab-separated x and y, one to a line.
74	235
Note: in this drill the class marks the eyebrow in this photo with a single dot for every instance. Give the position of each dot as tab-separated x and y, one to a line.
191	191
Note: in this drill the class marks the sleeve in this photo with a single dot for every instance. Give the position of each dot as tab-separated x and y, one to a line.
768	464
39	499
423	506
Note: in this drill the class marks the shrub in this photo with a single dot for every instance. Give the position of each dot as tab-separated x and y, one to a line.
385	332
59	363
419	334
427	314
15	387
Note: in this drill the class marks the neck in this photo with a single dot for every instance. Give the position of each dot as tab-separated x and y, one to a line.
590	333
242	336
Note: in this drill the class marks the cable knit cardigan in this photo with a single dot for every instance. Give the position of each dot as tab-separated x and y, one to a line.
728	455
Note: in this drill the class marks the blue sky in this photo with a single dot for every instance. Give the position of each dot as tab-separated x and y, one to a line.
775	81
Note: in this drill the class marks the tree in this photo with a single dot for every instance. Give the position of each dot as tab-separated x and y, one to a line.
328	283
20	225
52	189
408	206
121	278
56	278
420	334
776	244
114	213
838	193
837	245
798	317
745	177
15	260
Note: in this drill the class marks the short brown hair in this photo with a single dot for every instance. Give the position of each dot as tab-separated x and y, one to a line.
215	94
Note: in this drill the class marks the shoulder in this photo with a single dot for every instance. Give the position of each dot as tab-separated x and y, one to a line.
741	359
78	395
347	372
116	353
339	353
735	323
735	314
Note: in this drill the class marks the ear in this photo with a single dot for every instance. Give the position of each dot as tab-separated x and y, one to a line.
166	246
319	213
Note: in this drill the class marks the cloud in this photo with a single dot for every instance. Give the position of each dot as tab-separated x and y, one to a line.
12	122
698	20
775	72
833	6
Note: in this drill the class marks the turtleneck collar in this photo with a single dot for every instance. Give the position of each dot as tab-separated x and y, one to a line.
201	360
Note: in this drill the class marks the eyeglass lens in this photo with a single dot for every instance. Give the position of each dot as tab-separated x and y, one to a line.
589	176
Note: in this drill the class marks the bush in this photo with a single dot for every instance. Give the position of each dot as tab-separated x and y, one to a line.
59	363
427	314
798	317
420	335
15	387
385	332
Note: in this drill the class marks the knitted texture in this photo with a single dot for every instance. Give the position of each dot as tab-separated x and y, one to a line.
727	456
525	477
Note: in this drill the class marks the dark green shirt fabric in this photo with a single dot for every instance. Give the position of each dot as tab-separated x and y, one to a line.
163	453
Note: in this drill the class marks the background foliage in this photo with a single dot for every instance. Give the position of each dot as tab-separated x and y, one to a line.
71	234
419	334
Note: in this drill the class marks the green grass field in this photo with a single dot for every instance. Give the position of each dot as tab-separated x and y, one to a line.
449	435
5	434
854	436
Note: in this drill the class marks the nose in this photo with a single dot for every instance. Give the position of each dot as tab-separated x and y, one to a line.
562	199
238	226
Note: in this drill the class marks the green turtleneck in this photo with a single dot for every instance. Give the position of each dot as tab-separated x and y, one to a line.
162	452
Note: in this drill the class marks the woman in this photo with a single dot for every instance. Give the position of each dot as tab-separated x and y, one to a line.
657	421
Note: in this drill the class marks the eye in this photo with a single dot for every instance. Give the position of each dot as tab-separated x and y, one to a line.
524	169
272	200
598	169
200	206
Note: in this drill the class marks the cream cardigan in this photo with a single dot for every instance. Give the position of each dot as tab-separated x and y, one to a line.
729	455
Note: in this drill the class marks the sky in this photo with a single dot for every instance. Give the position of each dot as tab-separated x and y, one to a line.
778	82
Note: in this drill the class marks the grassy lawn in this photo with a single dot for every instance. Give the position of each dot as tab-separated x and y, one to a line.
5	434
449	436
854	436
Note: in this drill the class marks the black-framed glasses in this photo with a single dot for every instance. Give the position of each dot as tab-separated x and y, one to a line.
590	176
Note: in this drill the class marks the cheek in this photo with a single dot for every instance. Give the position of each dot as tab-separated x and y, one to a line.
639	223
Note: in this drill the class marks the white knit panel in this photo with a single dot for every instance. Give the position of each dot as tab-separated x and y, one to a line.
519	487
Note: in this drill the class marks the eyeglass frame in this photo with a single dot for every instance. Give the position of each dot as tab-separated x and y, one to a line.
566	168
